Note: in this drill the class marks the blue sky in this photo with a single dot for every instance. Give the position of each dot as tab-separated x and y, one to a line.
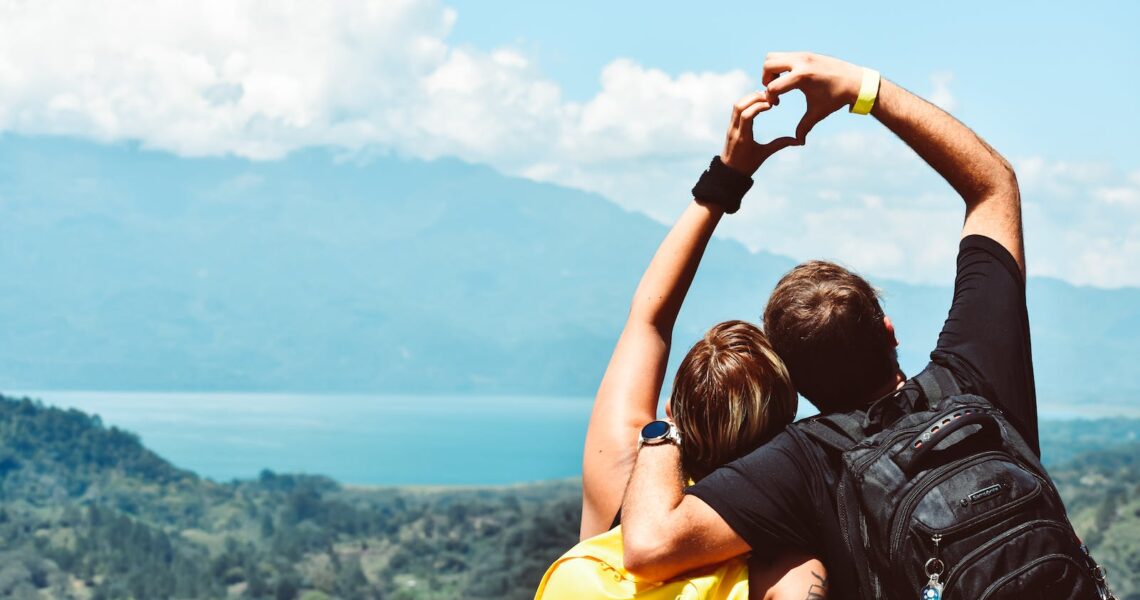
626	99
1037	76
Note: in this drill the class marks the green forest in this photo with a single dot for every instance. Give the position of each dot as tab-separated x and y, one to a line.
87	512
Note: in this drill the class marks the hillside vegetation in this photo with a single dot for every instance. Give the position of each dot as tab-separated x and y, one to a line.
87	512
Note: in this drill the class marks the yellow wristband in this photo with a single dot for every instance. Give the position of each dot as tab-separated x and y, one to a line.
868	92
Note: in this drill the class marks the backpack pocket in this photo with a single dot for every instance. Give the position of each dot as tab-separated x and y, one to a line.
1051	577
958	500
1028	561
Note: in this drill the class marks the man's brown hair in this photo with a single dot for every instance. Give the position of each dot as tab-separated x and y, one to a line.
731	394
827	325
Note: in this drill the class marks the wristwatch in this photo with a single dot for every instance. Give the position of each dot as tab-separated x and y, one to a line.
659	432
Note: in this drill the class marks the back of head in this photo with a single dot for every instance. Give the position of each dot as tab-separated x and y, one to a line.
827	325
731	394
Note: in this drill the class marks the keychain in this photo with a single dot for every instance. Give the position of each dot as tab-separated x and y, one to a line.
934	568
933	588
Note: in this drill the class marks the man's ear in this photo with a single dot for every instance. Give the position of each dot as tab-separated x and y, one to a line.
891	330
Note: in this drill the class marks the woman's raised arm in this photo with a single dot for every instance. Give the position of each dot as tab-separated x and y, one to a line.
627	397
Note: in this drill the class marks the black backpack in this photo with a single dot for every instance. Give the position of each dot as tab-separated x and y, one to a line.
945	500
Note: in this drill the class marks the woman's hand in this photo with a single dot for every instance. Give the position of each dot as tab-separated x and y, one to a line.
741	152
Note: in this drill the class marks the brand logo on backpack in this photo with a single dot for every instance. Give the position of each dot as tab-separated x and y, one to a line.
982	494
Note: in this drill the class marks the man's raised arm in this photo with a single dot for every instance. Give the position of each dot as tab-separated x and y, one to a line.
975	170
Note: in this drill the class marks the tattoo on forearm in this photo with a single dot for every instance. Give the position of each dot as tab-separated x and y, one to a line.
818	590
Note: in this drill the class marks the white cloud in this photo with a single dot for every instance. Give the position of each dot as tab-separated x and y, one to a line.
652	113
941	95
261	79
858	197
1127	196
255	79
1082	221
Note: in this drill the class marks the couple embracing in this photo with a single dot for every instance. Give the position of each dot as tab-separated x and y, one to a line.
924	487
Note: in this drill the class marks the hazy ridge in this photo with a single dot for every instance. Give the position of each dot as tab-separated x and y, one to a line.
129	269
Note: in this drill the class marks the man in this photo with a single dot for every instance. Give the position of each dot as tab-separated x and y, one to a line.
840	349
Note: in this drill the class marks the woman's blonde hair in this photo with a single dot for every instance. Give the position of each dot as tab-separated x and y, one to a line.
731	394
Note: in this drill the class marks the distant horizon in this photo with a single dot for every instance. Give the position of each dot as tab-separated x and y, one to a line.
1052	407
359	439
1048	409
352	438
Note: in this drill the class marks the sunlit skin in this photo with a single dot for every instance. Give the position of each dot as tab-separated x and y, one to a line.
666	532
628	396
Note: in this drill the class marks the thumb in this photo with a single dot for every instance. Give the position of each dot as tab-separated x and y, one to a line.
774	146
809	120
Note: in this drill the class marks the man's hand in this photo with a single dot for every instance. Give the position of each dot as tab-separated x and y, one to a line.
983	178
828	84
741	152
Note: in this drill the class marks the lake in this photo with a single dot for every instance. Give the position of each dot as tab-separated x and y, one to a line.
372	439
366	439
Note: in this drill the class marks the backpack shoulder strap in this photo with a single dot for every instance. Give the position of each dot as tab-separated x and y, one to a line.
937	383
839	431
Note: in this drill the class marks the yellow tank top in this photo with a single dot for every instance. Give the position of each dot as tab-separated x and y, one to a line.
594	569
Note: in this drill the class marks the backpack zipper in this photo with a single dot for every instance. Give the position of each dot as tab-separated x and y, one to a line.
933	479
997	585
867	581
968	559
844	528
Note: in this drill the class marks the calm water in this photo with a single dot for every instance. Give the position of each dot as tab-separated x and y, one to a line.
373	439
354	439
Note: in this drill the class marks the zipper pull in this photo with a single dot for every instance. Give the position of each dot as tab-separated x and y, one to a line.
934	568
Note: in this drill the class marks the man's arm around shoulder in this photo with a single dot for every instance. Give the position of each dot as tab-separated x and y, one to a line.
666	532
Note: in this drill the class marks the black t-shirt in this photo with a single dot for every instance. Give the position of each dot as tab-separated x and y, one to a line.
773	497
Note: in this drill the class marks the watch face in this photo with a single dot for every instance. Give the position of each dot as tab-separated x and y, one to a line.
654	430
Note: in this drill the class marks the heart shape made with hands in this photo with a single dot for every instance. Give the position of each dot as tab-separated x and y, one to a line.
784	116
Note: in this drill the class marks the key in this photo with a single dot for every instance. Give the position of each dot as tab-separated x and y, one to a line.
933	588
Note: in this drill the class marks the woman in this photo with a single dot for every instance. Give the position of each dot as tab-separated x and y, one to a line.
731	392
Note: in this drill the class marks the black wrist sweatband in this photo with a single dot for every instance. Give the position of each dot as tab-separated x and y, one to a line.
722	185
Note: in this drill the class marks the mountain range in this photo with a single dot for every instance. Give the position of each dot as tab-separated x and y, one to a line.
129	269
